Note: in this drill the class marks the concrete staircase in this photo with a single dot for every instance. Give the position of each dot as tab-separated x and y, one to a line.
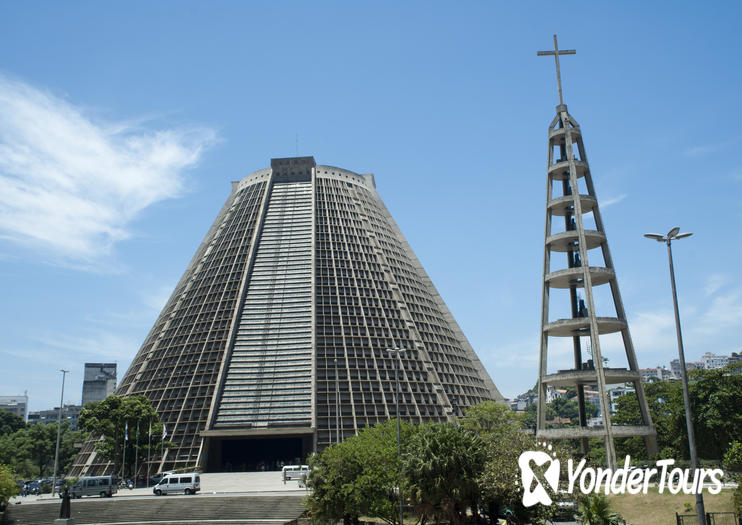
165	510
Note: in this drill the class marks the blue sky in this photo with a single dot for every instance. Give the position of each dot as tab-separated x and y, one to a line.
122	125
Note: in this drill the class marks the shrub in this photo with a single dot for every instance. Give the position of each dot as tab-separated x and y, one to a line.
8	485
595	509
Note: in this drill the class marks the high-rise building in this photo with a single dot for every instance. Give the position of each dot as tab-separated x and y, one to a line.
99	382
17	405
659	373
275	341
713	362
71	414
675	368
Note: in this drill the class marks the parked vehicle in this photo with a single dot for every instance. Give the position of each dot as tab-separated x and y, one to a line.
188	483
103	486
294	473
566	507
126	484
154	480
33	487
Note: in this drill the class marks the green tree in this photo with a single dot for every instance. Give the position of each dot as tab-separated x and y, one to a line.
737	496
714	395
14	454
565	408
442	467
665	399
591	410
504	442
559	407
490	417
109	420
30	450
41	443
733	457
497	481
569	408
528	418
8	486
10	423
69	447
332	479
595	509
358	476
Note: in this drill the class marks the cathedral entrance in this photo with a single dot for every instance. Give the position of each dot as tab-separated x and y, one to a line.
256	454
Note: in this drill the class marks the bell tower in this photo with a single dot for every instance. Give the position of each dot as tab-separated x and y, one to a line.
576	268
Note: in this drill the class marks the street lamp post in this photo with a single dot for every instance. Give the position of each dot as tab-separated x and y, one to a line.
667	239
59	433
398	352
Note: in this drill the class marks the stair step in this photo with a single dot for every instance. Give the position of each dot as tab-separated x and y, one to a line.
215	510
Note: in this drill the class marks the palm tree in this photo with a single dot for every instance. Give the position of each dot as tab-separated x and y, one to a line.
596	510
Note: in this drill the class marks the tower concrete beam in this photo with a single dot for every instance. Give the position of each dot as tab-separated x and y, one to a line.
573	277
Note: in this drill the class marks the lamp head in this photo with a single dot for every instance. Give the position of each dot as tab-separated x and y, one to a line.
683	235
672	233
656	236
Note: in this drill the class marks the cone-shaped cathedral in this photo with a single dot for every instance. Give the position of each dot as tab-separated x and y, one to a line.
274	342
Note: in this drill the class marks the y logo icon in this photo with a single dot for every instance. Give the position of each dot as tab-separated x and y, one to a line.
537	494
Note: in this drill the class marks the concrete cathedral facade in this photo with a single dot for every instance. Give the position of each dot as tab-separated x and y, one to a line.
274	343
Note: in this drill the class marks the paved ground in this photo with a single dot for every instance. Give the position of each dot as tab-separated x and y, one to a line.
223	484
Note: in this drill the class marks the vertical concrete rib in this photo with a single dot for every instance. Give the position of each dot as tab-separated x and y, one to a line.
544	340
588	285
313	284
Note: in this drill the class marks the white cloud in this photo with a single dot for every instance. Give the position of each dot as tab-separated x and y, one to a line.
652	333
57	348
715	282
99	344
724	314
69	186
513	365
710	325
155	299
611	202
706	149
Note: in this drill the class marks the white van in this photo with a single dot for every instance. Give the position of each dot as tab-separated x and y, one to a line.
294	472
103	486
188	483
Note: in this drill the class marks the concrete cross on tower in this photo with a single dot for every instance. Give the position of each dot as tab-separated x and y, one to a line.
556	54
